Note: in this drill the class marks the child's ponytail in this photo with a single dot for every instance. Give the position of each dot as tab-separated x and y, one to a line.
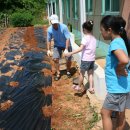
122	32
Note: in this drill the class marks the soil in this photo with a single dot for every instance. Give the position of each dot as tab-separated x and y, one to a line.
68	112
71	112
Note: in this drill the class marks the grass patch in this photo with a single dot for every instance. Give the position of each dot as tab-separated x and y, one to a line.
39	22
94	119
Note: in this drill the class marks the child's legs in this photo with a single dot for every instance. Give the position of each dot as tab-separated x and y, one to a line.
124	104
106	119
83	68
120	121
114	102
81	78
90	79
86	66
90	75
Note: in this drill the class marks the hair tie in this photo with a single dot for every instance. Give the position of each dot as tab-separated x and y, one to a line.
121	28
91	22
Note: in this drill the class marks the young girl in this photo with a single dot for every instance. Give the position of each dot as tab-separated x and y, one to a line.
117	73
88	48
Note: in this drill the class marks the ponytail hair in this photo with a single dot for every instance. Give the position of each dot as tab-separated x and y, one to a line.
122	32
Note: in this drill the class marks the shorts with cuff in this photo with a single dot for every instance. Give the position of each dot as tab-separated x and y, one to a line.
117	101
58	51
86	65
128	101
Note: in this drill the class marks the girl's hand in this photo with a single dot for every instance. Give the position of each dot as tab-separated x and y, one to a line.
65	51
121	71
49	53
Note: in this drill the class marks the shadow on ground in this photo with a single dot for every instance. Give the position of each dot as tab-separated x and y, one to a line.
72	71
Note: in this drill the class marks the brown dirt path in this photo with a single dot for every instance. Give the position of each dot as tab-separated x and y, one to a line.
72	112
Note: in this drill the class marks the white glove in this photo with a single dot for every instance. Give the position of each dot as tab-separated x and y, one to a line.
49	53
65	51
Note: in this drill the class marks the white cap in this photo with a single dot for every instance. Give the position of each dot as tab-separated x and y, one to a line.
54	19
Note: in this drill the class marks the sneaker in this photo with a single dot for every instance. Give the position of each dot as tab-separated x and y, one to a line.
57	77
80	94
68	74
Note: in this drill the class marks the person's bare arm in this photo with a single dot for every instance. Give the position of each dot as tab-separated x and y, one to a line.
75	51
78	50
67	43
49	53
123	61
48	45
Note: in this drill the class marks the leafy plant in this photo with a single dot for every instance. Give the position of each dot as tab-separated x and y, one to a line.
21	19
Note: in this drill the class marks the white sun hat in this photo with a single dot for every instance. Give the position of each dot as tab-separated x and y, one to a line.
54	19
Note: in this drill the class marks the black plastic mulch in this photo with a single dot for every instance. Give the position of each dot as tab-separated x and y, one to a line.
39	33
28	100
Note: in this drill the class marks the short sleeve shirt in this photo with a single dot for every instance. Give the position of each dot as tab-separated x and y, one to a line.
88	53
116	84
60	35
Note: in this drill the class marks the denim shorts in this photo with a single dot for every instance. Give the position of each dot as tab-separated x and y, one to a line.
86	65
58	51
117	101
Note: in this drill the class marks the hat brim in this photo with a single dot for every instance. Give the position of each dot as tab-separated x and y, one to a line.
54	21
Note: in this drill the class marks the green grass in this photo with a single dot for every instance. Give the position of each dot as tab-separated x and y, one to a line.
95	118
37	22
